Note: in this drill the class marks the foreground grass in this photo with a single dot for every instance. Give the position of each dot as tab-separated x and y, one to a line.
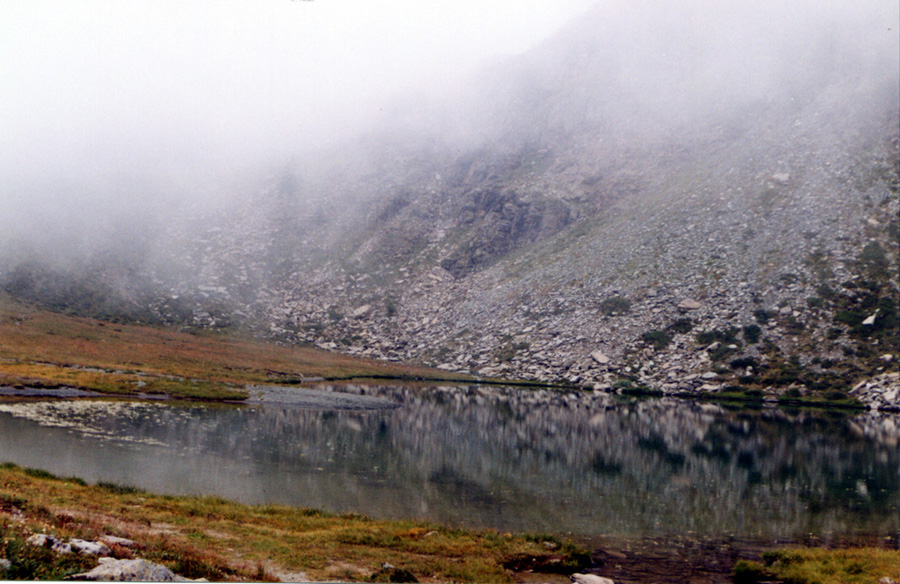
220	540
821	566
39	348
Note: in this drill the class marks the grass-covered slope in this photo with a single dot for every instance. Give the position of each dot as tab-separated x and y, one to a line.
208	537
39	348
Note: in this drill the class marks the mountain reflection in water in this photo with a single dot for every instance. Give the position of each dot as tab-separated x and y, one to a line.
510	459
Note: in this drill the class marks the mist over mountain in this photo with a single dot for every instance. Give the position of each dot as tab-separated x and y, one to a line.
689	196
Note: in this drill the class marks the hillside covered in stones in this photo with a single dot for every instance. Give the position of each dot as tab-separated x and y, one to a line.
636	214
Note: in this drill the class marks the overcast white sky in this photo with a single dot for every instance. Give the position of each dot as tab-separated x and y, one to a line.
98	90
113	106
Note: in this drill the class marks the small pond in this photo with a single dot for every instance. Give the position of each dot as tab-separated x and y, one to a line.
575	463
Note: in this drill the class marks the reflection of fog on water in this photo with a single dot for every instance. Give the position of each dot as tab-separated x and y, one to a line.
496	457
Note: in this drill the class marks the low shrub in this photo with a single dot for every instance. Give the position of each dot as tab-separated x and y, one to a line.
727	336
682	325
656	338
615	305
752	333
762	316
743	363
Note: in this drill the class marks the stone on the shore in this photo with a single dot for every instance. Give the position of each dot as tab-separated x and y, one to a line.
111	570
879	392
599	357
589	579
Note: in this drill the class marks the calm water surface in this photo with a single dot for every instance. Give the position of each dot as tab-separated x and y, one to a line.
509	459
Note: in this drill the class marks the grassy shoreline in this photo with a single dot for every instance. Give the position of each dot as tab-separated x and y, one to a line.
48	350
210	537
220	540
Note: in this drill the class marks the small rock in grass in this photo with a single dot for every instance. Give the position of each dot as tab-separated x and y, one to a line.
124	542
110	570
89	548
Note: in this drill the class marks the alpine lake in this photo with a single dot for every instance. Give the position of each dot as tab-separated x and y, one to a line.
582	465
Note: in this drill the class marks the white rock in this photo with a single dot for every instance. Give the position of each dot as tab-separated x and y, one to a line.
781	177
42	540
111	570
5	565
599	357
589	579
362	310
870	320
49	541
689	304
89	548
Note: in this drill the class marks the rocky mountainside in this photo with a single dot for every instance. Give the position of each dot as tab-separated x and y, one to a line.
619	207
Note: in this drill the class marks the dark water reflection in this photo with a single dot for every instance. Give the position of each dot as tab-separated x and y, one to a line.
510	459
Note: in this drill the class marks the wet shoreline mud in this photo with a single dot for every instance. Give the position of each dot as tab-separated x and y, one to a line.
59	393
694	559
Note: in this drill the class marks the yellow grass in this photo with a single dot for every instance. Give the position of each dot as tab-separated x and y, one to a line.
822	566
45	349
213	538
